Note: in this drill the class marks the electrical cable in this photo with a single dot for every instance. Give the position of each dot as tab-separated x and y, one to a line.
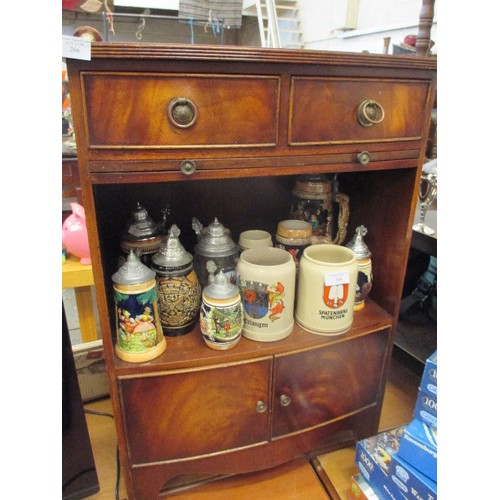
117	484
95	412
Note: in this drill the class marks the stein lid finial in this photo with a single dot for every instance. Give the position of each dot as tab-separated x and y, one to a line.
171	252
220	287
133	271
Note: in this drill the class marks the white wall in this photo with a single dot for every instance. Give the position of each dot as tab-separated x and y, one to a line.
323	23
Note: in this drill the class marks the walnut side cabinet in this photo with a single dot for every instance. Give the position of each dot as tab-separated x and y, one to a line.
223	132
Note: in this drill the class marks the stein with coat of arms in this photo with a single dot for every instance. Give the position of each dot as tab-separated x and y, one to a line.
327	288
266	278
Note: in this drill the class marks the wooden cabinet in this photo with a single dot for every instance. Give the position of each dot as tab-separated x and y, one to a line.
223	132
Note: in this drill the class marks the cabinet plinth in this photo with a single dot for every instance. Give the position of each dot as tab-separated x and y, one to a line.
247	121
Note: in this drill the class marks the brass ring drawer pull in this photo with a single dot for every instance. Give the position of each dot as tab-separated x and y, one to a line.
182	112
364	157
261	407
370	113
285	400
188	167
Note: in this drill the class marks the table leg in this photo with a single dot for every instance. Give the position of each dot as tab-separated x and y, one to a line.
86	316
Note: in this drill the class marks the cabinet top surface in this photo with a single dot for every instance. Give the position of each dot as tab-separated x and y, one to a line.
162	51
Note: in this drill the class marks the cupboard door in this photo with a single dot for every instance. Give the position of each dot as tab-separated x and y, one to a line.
191	413
323	384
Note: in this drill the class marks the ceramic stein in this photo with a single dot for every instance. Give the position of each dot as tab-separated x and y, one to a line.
139	334
215	244
254	238
221	313
365	274
141	234
327	288
266	278
317	200
179	292
294	236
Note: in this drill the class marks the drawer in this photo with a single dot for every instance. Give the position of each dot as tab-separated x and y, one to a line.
325	110
190	413
129	110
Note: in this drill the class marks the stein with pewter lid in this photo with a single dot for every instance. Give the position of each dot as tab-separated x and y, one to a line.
215	244
179	291
141	234
221	313
139	334
365	276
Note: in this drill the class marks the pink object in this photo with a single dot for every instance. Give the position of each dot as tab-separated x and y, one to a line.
75	237
410	40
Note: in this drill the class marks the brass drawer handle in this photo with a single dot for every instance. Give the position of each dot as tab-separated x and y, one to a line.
182	112
285	400
370	113
364	157
261	407
188	167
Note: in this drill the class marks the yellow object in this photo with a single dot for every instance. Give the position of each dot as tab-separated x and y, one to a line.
79	277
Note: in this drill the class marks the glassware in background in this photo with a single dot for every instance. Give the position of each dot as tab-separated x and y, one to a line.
426	194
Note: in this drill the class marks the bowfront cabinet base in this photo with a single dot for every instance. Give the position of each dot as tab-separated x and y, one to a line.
149	481
205	132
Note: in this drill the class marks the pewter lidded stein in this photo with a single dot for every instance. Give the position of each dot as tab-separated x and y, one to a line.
179	291
221	313
139	334
141	234
215	244
365	276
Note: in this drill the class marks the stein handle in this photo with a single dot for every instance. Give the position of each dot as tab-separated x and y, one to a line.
343	218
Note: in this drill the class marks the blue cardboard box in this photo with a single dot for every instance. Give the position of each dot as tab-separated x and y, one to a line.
418	447
410	482
426	408
428	382
373	459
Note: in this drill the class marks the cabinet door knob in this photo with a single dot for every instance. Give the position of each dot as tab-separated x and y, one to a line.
182	112
364	157
285	400
188	167
370	113
260	407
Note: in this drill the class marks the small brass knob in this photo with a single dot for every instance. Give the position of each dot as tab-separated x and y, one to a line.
370	113
188	167
364	157
285	400
182	112
260	407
